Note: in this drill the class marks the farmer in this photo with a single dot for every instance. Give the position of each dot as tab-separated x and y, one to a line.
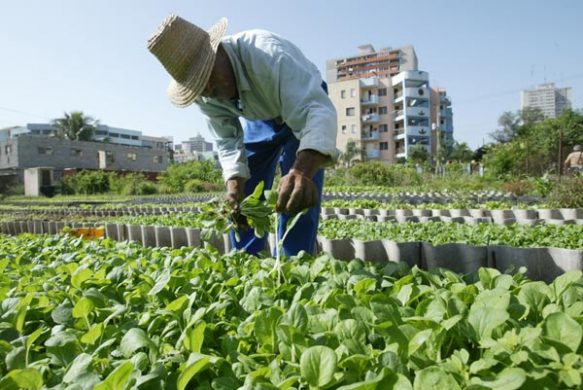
288	118
574	161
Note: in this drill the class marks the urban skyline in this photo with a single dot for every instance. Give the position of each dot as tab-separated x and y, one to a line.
91	59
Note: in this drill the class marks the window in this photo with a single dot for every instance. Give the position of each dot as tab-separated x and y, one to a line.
45	150
382	110
383	128
384	146
114	135
343	129
125	136
352	92
109	157
75	152
353	129
343	94
134	137
157	159
132	156
350	111
8	149
382	92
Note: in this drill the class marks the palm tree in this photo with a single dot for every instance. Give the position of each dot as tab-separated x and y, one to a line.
75	126
351	152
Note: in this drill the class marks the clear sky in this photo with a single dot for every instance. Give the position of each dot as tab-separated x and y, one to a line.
64	55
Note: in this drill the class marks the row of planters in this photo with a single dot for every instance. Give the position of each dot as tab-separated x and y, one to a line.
472	216
96	314
545	250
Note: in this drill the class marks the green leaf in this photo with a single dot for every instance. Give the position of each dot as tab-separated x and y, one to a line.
561	328
318	365
82	308
22	309
28	378
133	340
79	367
265	323
195	364
434	378
161	282
80	276
564	281
177	304
508	379
118	379
93	334
195	337
488	311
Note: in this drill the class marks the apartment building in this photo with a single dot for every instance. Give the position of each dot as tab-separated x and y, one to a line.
35	145
546	97
386	105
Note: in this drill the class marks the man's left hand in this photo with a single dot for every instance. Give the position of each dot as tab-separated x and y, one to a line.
296	192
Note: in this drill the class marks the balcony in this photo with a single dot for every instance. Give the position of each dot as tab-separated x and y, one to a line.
398	115
370	118
373	153
411	77
371	82
372	136
398	135
418	130
422	92
372	100
418	111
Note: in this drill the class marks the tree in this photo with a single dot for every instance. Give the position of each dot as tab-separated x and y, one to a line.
461	152
418	154
75	126
351	152
530	115
509	123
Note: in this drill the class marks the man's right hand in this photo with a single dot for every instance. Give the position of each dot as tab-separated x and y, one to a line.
234	195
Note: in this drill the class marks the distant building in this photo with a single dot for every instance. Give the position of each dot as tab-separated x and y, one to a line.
386	105
36	145
546	97
197	144
195	149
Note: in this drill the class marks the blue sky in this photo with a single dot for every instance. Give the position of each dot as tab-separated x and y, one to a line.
64	55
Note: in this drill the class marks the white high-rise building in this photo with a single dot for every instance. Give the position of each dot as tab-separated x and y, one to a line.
386	105
546	97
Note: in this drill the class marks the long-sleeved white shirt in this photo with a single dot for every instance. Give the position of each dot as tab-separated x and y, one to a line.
275	81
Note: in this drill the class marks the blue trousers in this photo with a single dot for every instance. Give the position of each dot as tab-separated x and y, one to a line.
268	144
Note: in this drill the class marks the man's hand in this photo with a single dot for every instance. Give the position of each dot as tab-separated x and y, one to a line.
234	195
296	190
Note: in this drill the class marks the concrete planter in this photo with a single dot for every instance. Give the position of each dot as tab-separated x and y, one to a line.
30	226
193	237
329	216
549	214
381	218
530	222
111	231
559	221
456	257
178	237
422	212
60	226
339	249
347	216
386	213
134	233
477	220
459	213
440	213
220	242
453	219
122	231
38	227
402	213
430	219
52	228
148	236
565	260
572	213
355	211
370	250
23	226
408	252
370	212
479	213
537	261
163	238
500	215
404	219
341	211
521	214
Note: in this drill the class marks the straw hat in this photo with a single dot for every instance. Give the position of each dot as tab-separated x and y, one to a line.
188	53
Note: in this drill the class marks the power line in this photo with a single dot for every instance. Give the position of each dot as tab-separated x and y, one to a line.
23	112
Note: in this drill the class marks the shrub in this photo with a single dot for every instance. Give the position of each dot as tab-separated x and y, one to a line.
517	187
175	178
567	193
89	182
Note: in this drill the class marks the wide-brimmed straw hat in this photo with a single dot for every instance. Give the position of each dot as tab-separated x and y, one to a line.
188	53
